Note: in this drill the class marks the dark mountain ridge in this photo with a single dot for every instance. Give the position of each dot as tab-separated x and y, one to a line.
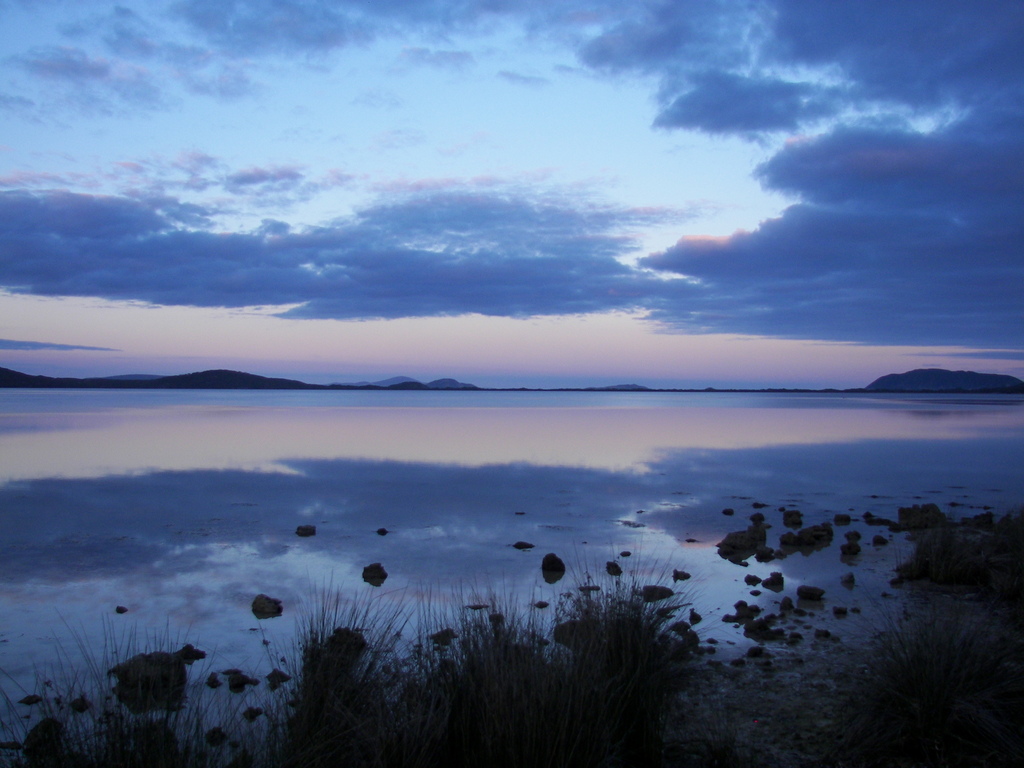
942	380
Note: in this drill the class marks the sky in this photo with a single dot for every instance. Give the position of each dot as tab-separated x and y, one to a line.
513	193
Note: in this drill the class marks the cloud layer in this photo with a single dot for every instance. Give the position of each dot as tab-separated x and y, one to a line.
896	130
441	252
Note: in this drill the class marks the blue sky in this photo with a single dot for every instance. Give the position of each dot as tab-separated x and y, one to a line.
513	193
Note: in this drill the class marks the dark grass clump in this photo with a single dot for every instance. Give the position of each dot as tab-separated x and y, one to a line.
498	688
947	556
88	717
1007	561
942	690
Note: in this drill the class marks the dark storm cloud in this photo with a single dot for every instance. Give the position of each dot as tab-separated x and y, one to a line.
722	102
443	252
901	238
906	227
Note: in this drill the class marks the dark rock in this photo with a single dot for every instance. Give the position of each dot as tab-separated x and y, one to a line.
150	681
852	535
444	637
774	582
920	516
743	613
553	563
695	617
374	574
613	568
680	627
189	653
755	652
120	609
739	545
822	634
805	592
237	681
305	530
541	604
757	518
838	611
813	536
842	519
879	540
751	580
625	553
849	549
761	629
651	593
523	545
251	713
787	604
213	681
276	678
216	736
385	531
266	607
32	698
44	744
80	704
729	512
985	521
792	518
759	505
679	575
871	519
764	554
848	580
576	634
589	588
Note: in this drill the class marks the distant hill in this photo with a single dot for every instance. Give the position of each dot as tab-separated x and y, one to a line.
405	382
214	379
941	380
449	384
620	388
221	379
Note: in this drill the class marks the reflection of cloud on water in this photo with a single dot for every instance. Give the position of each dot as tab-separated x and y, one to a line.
180	437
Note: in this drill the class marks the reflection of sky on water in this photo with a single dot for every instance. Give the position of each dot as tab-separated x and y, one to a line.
184	509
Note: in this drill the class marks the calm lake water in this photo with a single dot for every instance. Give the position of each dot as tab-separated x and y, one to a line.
182	506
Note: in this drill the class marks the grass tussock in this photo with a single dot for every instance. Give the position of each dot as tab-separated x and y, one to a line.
948	556
582	684
501	687
942	691
1007	560
129	705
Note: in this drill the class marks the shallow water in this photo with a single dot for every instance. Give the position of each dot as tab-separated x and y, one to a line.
182	506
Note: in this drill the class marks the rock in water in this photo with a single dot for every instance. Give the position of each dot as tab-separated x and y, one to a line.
739	545
306	530
150	681
552	568
374	574
805	592
266	607
653	592
920	516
